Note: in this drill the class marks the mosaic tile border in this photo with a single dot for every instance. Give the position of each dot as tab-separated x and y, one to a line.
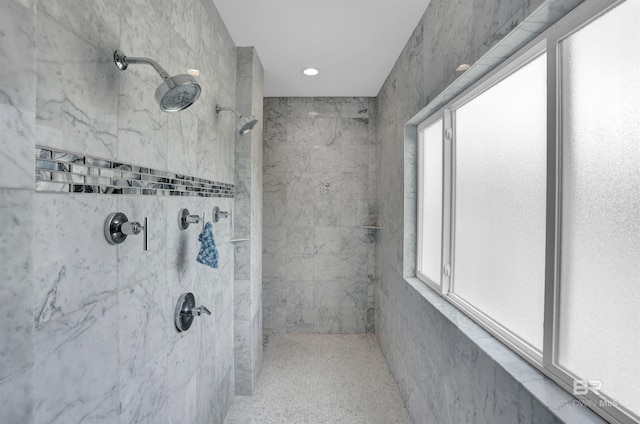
66	172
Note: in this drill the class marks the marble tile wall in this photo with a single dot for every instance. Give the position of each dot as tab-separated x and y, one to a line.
442	375
319	185
88	332
247	223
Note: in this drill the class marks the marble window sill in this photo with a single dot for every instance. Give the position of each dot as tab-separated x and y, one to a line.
556	400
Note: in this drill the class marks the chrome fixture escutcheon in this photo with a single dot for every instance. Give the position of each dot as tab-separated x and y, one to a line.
117	227
186	311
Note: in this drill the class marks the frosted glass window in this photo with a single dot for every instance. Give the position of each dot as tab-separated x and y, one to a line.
599	313
500	188
430	208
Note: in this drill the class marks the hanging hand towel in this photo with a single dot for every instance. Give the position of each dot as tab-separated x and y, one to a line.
208	252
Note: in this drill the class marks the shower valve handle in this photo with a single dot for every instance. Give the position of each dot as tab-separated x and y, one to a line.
198	310
117	227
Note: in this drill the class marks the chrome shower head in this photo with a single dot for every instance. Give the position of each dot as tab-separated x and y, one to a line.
246	122
175	93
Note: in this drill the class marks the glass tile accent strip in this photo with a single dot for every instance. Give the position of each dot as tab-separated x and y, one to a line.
65	172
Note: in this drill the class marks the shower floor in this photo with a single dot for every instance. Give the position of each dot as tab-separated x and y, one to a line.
322	378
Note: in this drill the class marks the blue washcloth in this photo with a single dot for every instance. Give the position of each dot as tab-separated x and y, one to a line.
208	252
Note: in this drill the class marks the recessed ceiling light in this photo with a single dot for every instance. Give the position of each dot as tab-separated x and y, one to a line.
310	72
463	67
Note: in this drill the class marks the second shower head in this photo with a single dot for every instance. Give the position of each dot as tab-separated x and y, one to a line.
175	93
246	123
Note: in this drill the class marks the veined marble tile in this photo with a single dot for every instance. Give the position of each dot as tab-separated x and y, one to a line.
143	390
182	142
242	339
16	285
182	405
16	398
17	94
97	22
276	108
80	267
299	213
275	319
242	299
186	20
300	268
356	107
76	365
327	158
142	125
77	97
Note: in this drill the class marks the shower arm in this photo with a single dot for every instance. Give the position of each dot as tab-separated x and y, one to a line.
123	61
220	108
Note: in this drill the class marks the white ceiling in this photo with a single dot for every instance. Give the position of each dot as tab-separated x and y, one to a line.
354	43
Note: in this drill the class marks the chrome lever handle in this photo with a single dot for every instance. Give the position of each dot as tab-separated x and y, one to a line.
117	227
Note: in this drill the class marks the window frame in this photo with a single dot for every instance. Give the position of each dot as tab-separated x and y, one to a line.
419	237
548	42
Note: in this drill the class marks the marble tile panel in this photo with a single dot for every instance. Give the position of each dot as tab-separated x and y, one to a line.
16	398
142	125
299	213
328	240
182	405
355	131
143	390
300	241
142	34
17	94
16	286
242	299
183	360
274	252
76	100
97	22
257	348
300	320
327	158
301	185
299	294
275	319
276	108
242	258
275	131
76	365
182	142
328	267
328	212
185	18
80	268
274	185
356	107
243	377
300	268
342	294
242	339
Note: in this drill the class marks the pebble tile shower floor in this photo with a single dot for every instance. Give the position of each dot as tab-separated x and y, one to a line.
322	378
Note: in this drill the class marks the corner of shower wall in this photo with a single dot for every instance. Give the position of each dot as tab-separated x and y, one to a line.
17	141
247	222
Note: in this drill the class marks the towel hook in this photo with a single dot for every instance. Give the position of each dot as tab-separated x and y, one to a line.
184	219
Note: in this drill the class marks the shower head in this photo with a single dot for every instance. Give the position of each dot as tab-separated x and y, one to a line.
246	122
175	93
